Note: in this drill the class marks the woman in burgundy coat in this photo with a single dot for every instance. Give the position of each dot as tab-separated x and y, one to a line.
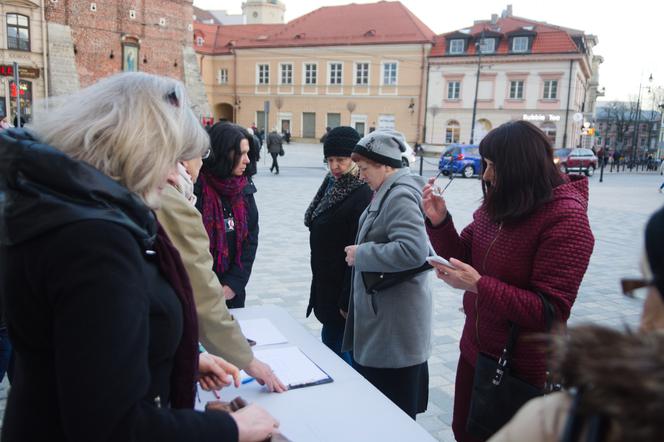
530	237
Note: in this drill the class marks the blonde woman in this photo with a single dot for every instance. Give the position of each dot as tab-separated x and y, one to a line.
98	303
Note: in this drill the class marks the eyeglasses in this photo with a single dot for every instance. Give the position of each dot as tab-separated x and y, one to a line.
207	153
630	285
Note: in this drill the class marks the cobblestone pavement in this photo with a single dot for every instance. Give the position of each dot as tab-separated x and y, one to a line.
619	208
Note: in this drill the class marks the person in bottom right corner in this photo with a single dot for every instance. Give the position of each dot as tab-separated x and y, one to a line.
614	380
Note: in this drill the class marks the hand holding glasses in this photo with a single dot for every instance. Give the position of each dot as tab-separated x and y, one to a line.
438	189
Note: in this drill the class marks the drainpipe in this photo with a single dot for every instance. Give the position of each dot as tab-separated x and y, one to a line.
569	91
235	99
44	51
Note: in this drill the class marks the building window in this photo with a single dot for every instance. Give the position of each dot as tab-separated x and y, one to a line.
18	32
549	130
263	74
199	41
286	74
222	76
550	89
457	46
516	90
488	45
310	73
453	90
336	73
362	74
25	97
452	132
390	74
520	44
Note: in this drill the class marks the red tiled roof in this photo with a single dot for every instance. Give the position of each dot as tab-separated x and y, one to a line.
549	39
355	24
203	15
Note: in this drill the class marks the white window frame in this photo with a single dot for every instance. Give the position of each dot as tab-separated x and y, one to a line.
262	74
549	91
307	74
222	76
519	86
335	77
484	41
520	44
365	74
456	90
454	46
384	73
282	71
199	41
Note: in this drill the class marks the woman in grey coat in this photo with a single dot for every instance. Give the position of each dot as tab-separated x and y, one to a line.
389	330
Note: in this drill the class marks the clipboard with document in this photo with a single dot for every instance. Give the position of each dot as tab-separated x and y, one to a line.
293	367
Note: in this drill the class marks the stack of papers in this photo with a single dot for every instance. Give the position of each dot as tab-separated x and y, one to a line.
261	331
293	367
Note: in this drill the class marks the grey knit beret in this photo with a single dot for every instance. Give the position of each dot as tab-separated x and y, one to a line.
383	146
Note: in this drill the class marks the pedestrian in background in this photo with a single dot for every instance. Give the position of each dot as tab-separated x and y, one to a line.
225	198
332	219
98	304
388	330
614	380
514	252
275	147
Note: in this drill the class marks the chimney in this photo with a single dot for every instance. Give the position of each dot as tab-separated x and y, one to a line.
494	19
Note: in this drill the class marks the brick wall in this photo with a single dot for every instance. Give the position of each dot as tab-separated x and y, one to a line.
98	33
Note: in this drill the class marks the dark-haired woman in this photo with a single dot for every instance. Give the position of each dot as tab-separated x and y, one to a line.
516	249
226	201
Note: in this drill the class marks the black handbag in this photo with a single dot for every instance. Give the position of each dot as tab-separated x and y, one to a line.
377	281
497	392
281	151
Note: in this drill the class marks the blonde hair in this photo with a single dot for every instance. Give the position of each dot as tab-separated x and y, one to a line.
134	127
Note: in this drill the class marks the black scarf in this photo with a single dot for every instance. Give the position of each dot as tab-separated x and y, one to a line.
324	200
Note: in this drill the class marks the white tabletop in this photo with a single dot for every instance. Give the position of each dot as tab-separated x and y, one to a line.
348	409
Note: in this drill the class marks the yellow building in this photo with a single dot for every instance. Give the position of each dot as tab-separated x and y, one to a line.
362	65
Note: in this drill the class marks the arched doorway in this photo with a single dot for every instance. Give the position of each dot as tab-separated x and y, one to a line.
549	130
482	128
223	111
452	132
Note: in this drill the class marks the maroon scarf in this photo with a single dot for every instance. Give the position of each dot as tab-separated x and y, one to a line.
213	190
185	363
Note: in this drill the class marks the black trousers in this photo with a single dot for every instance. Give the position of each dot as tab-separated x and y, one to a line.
407	387
275	164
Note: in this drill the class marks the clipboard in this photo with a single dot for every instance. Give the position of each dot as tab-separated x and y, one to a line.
293	367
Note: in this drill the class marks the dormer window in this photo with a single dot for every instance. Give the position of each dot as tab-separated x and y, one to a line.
520	44
457	46
487	45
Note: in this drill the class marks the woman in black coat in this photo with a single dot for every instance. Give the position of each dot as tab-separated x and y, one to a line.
98	303
332	219
225	198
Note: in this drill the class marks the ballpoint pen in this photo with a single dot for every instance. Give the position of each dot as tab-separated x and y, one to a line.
246	381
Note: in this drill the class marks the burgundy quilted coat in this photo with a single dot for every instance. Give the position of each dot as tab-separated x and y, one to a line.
548	252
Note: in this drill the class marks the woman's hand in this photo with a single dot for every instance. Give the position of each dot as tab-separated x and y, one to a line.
254	424
265	376
213	372
228	292
434	206
462	276
350	255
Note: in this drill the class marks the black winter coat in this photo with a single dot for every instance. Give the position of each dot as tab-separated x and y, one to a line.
94	324
237	277
330	232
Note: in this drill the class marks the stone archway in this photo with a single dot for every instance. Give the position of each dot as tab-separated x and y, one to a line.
223	111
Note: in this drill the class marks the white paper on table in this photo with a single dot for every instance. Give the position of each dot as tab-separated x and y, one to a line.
262	331
292	367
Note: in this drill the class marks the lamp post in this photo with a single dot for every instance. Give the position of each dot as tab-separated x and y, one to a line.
478	49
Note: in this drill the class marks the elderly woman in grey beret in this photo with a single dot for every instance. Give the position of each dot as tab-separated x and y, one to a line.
389	317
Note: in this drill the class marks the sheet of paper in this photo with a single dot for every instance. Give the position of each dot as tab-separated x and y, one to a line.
262	331
292	366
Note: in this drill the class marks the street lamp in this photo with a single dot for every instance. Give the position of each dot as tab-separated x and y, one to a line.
478	49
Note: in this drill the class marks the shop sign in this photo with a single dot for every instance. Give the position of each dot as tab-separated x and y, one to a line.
541	117
7	70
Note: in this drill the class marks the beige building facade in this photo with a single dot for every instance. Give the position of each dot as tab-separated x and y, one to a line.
22	40
310	89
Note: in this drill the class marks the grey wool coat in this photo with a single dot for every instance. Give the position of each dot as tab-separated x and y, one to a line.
393	330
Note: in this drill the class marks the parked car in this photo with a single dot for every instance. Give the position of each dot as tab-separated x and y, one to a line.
575	160
461	158
408	157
